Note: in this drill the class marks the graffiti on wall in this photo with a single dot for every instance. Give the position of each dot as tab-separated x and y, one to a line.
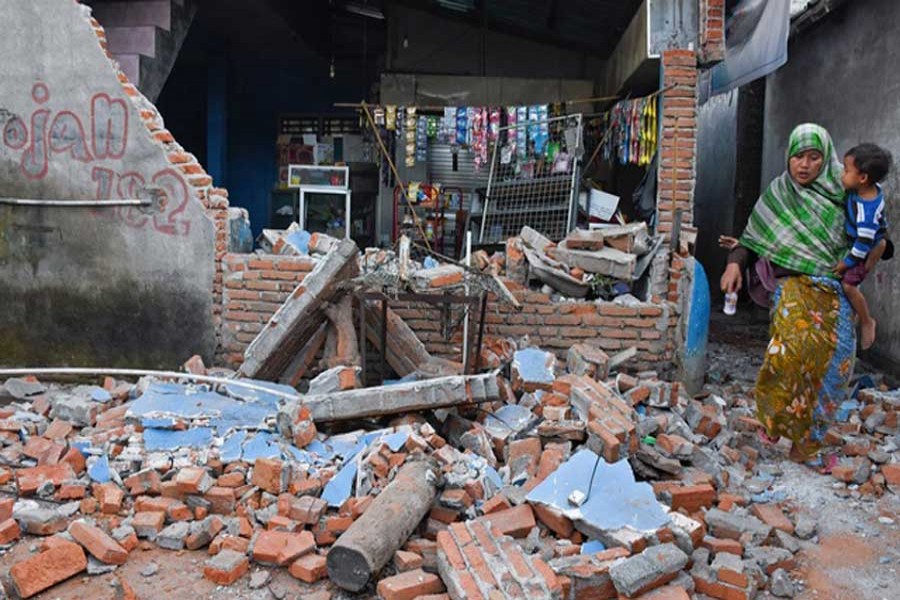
46	136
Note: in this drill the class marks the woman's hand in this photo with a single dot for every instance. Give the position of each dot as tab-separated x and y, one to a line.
732	279
727	242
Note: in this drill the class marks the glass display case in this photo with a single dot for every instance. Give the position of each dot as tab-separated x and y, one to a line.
324	198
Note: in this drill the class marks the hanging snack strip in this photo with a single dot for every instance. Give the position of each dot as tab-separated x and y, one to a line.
634	134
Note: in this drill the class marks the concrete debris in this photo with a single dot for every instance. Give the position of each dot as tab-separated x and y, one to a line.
565	481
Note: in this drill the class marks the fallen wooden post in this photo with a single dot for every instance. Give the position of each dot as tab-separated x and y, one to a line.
370	542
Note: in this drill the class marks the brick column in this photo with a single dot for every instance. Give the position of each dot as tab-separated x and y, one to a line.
677	167
712	31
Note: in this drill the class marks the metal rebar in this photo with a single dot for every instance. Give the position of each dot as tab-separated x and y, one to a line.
146	372
75	203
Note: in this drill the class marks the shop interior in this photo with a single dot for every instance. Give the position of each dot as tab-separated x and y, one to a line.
439	120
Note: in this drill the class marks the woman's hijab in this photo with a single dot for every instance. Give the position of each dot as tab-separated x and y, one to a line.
797	227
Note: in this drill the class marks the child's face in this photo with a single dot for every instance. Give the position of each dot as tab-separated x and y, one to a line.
852	179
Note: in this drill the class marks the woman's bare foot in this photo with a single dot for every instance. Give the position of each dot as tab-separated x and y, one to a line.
867	334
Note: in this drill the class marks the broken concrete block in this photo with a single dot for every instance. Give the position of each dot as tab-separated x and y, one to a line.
295	322
585	239
173	536
584	359
444	276
606	261
39	521
732	525
631	238
650	569
533	369
21	388
337	379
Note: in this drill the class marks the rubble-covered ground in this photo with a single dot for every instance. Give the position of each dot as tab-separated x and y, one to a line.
542	480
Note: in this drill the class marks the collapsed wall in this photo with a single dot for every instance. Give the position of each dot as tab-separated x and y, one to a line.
110	286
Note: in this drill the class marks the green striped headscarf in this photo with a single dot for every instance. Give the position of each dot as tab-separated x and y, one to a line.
802	228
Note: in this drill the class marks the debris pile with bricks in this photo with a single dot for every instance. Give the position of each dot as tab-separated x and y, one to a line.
527	477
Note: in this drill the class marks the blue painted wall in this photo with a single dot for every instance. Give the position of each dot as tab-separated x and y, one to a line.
222	103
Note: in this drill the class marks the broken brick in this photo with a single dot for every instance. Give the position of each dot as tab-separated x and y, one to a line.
409	585
41	571
226	567
310	568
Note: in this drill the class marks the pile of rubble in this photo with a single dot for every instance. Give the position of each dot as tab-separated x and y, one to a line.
530	478
558	483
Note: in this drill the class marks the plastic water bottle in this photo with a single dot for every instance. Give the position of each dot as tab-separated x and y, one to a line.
730	307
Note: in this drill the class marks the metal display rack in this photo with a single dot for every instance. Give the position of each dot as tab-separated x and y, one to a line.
532	191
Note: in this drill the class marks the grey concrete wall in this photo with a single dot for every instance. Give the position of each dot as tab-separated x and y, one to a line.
842	74
714	194
82	286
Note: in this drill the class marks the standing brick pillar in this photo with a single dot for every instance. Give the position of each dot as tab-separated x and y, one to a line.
677	168
712	31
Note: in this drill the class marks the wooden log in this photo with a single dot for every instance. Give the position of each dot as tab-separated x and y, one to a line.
370	542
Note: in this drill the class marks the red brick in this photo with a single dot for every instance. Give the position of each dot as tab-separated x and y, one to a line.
221	499
669	592
6	508
267	474
693	497
310	568
515	522
716	545
44	570
9	531
143	482
772	516
231	480
110	497
496	503
557	522
448	547
409	585
29	479
58	430
282	547
179	511
193	480
75	459
227	567
407	561
891	473
98	543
